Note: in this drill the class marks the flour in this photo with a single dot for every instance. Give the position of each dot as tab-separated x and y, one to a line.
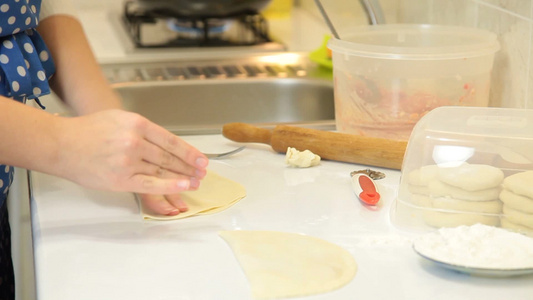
478	246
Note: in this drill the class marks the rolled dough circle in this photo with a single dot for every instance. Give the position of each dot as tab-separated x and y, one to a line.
283	264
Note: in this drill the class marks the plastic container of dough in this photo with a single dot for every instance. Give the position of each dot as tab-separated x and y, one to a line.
388	76
468	165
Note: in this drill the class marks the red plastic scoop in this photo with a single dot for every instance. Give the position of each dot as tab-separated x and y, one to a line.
365	188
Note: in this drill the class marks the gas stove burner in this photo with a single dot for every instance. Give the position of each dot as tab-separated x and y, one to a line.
191	29
158	29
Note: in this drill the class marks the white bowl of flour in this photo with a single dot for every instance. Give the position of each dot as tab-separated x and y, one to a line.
478	250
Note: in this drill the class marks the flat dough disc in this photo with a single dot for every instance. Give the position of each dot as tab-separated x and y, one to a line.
472	177
518	217
516	227
281	264
216	193
458	205
440	189
520	183
517	202
421	200
418	189
423	175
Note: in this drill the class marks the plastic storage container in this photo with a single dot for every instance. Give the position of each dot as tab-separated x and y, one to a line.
468	165
388	76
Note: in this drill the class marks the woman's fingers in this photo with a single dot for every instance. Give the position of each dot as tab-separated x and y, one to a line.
165	160
157	180
169	205
175	145
159	172
176	201
140	183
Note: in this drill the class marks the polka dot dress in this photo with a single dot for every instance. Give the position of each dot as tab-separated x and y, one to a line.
25	68
25	63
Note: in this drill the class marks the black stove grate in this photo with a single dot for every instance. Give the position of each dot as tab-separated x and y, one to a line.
249	28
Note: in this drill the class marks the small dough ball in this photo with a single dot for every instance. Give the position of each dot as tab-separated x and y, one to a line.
518	202
303	159
441	189
472	177
423	175
520	183
518	217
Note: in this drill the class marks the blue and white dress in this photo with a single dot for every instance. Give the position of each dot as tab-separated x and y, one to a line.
25	67
25	63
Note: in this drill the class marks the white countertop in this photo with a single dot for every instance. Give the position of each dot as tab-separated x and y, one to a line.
95	245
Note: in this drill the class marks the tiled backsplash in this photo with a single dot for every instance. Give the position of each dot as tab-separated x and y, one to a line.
511	20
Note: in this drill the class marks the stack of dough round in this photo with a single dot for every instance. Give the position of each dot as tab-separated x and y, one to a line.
418	185
517	198
462	195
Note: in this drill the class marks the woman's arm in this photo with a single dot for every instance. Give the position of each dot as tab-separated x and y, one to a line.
78	80
29	137
109	150
160	164
104	147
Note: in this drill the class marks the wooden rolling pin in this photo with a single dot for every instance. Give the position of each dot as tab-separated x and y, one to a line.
328	145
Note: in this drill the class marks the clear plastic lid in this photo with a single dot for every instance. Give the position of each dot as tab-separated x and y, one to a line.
468	165
416	42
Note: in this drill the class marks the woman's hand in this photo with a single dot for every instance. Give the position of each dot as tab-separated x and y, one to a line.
122	151
112	150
